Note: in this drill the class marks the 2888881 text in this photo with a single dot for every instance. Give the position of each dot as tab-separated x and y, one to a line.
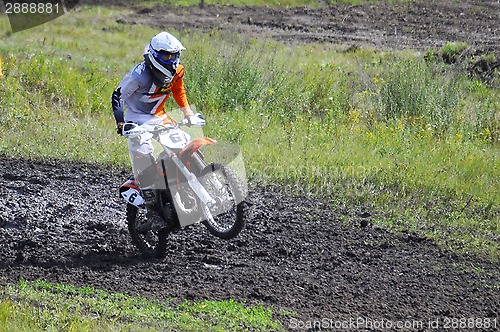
32	8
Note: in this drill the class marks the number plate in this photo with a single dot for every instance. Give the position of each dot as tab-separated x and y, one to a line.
175	139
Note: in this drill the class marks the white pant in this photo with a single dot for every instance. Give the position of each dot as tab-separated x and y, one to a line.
141	149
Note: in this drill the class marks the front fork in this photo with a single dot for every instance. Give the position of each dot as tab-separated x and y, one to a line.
193	182
207	201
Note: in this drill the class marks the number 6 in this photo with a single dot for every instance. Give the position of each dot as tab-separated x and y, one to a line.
132	197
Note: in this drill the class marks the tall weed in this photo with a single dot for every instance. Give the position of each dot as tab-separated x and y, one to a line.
412	92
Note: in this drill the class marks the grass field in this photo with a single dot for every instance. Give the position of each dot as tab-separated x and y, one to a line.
41	306
413	141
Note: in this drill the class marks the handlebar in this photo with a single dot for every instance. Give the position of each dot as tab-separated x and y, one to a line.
156	126
131	129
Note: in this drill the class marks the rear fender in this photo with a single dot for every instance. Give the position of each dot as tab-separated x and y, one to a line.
131	193
130	183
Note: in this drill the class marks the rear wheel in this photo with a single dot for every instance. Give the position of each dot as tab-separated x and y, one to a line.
226	218
151	243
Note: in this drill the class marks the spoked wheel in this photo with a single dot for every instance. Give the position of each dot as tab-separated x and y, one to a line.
151	243
226	218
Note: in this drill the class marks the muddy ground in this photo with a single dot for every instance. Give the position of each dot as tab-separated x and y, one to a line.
418	25
64	222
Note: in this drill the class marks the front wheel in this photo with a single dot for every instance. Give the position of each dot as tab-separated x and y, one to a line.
226	218
151	243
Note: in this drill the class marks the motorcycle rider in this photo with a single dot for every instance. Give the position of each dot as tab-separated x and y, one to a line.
140	97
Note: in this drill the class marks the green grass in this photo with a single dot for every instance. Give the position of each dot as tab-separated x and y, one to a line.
42	306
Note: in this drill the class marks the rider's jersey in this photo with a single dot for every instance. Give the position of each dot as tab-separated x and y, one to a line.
141	98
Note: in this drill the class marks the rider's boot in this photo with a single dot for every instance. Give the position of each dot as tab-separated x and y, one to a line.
149	197
148	182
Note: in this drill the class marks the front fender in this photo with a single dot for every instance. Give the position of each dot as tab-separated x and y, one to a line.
195	145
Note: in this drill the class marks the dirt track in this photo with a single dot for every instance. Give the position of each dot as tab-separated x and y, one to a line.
65	223
419	25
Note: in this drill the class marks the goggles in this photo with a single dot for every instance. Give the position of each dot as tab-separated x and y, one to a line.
165	58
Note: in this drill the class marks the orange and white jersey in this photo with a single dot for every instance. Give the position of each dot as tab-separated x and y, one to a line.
141	99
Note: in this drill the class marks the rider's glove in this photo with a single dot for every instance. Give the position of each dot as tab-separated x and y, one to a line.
119	128
196	120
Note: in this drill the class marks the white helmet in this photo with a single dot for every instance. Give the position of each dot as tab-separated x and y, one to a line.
163	54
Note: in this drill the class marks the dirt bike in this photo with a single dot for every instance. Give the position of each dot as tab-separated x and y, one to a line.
186	191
